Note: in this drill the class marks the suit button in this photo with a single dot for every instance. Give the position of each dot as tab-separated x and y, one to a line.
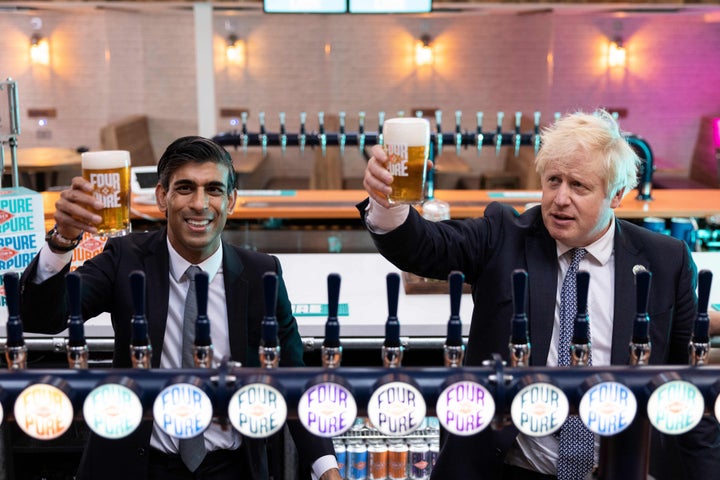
142	451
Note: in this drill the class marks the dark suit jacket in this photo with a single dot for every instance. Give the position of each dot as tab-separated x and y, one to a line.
106	288
488	249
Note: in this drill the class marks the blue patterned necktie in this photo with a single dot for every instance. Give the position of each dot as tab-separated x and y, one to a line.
577	444
192	450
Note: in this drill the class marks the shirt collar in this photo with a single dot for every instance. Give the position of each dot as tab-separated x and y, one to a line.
601	249
210	265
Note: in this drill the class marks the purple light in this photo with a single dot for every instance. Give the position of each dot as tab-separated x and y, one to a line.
716	132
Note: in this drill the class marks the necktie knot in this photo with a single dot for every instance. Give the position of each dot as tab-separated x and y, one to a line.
577	255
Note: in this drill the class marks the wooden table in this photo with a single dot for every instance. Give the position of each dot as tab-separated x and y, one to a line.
38	162
340	204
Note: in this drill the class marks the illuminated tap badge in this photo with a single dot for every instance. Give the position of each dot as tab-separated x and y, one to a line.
43	411
327	409
112	411
465	408
182	411
257	410
675	407
396	409
608	408
539	409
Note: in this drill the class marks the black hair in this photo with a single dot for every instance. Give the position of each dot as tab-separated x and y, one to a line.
193	149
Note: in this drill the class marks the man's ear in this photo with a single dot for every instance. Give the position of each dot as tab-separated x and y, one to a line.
161	198
617	198
232	200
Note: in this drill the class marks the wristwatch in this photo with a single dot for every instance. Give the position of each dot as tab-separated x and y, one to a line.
59	243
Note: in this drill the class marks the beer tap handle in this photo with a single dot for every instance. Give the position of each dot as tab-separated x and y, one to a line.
331	348
302	139
557	116
342	138
381	122
323	136
15	348
700	342
202	346
458	131
140	348
640	346
244	130
76	348
269	346
518	119
536	132
454	349
361	132
498	133
438	126
480	136
283	133
580	345
519	338
263	135
392	351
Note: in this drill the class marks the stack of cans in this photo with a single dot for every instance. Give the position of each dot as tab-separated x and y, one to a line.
394	459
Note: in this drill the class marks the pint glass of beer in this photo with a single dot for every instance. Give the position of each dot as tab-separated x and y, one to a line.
407	144
109	172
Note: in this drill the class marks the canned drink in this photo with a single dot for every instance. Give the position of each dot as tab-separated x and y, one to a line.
378	461
397	461
434	452
419	461
357	455
340	456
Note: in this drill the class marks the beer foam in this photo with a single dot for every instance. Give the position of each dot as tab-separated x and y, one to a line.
105	159
412	131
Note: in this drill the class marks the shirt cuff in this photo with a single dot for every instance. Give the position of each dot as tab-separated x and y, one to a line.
50	263
322	465
382	220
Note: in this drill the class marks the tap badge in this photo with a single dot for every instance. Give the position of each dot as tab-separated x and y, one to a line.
675	407
465	408
396	409
608	408
43	411
257	410
182	411
112	411
539	409
327	409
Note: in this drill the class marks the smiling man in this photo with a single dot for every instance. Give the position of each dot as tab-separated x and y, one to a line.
196	192
585	166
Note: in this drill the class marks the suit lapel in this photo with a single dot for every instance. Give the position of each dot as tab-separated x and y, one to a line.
236	294
157	287
542	280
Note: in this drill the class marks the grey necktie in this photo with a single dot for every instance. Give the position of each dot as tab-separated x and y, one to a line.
192	450
577	444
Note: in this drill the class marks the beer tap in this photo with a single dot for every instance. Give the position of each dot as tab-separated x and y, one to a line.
202	345
640	346
458	131
244	131
331	351
480	136
392	350
140	348
321	133
76	347
263	135
15	348
700	342
438	125
498	133
518	118
342	138
580	343
269	350
557	116
361	132
519	339
536	132
283	133
454	348
301	138
381	122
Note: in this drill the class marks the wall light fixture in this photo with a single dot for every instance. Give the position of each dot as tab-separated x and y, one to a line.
423	51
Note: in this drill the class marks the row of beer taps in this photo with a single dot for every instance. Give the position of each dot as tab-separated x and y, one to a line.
460	137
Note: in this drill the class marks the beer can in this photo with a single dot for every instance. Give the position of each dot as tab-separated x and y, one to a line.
341	456
434	452
397	461
419	461
378	461
357	456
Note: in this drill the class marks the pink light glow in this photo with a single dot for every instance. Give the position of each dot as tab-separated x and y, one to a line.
716	132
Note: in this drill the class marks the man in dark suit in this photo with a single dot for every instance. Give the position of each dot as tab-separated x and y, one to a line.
586	167
196	192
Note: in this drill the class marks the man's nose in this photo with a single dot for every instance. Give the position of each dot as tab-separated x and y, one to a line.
200	199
